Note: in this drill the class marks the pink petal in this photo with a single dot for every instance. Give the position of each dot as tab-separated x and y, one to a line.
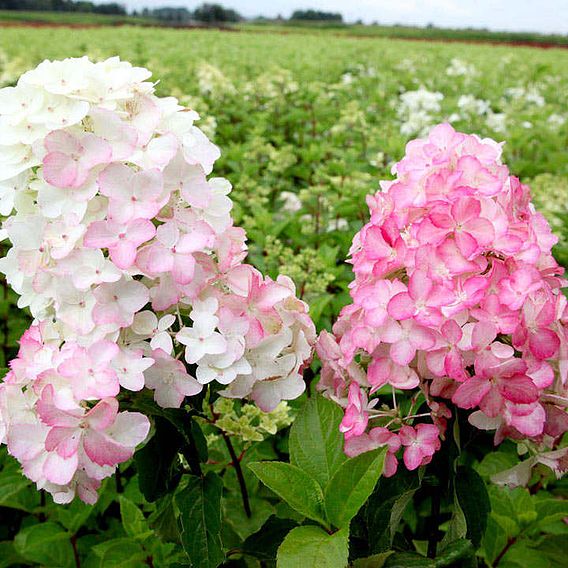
140	230
465	209
130	429
102	352
412	457
183	268
401	306
470	393
123	254
61	170
65	441
481	230
422	337
519	389
103	414
402	352
544	343
99	235
96	151
60	470
103	451
419	285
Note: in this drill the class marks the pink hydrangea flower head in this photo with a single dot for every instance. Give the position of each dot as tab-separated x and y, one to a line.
456	297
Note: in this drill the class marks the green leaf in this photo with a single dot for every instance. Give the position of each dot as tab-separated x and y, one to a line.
117	553
264	543
554	548
550	510
74	515
409	560
156	461
200	441
200	519
17	492
234	514
496	462
494	540
8	555
163	519
293	485
457	525
375	561
312	547
520	555
387	505
133	520
315	444
351	486
459	553
47	544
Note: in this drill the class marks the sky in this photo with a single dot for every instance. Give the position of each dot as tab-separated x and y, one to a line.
548	16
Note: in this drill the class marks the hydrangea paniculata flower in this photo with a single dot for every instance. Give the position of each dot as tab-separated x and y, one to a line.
456	297
126	255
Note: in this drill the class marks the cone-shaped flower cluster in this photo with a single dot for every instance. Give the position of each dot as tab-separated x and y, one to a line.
125	253
456	296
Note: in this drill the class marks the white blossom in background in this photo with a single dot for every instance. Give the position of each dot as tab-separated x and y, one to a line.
497	121
213	82
529	95
417	110
460	68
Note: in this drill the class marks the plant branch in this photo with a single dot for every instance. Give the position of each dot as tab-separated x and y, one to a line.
75	551
510	543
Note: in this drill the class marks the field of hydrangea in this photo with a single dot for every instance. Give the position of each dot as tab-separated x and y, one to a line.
307	125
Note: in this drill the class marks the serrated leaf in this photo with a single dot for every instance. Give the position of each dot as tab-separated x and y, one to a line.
17	492
473	499
8	555
409	560
244	526
459	553
375	561
312	547
200	519
494	540
293	485
522	556
117	553
387	505
315	443
352	485
457	526
554	548
264	543
74	515
496	462
550	510
133	520
47	544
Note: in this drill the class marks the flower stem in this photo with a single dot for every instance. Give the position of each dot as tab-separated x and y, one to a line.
75	551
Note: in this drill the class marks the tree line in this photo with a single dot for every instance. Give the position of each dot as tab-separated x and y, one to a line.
206	13
113	8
